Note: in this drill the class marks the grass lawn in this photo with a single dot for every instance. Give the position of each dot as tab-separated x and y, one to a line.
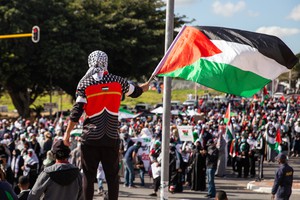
65	102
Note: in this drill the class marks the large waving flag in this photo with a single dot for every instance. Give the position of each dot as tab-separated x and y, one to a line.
228	60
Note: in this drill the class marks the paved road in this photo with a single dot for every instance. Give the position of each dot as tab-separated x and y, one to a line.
236	188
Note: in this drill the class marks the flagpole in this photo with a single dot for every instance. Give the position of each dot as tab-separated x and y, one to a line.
169	48
164	183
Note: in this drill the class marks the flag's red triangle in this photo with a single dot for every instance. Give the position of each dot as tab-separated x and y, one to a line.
191	45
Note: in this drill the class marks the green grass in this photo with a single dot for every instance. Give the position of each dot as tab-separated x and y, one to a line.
63	101
150	97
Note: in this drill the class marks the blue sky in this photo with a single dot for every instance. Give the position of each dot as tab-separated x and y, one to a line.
275	17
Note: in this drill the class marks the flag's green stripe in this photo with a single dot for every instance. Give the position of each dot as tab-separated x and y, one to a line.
222	77
125	111
9	196
229	134
274	146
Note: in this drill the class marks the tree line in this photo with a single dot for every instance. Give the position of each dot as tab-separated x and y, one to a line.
131	32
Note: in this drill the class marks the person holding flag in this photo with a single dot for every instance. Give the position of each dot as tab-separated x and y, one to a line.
99	95
273	138
260	151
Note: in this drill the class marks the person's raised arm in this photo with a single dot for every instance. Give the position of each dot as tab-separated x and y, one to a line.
76	113
70	127
145	86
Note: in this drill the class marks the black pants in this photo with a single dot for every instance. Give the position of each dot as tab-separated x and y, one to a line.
90	158
243	163
156	183
252	160
261	166
234	163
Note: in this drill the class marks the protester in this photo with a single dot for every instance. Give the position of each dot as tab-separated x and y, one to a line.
6	191
129	162
221	145
31	166
156	171
243	157
198	168
252	154
211	167
282	187
47	143
5	166
100	131
50	160
141	167
260	151
59	181
24	187
175	170
17	162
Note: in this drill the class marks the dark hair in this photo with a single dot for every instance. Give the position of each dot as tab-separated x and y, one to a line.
139	143
60	151
61	154
23	180
221	195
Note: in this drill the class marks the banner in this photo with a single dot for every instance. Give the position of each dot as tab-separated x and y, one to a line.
185	133
144	151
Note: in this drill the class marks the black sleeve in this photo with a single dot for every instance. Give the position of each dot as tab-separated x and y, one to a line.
138	91
76	112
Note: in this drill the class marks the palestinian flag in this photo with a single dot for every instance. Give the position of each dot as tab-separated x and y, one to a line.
229	132
265	93
227	114
274	142
229	60
229	129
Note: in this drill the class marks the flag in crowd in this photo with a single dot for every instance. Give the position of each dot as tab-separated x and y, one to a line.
274	142
229	130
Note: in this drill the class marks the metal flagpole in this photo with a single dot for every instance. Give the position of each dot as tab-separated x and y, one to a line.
167	106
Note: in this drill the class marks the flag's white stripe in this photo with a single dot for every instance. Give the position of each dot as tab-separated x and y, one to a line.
246	58
271	140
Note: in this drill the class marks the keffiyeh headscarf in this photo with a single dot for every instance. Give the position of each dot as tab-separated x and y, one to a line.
98	62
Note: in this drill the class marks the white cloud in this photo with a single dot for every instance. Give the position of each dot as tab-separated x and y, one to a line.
253	13
228	9
295	14
278	31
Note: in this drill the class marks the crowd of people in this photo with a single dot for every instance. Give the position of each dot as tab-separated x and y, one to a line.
25	149
260	130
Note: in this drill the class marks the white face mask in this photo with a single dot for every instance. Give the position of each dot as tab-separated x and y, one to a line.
78	144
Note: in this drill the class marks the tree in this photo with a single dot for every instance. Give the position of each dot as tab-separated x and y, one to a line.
295	74
130	31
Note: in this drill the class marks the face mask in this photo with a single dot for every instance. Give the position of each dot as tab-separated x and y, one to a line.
243	140
250	137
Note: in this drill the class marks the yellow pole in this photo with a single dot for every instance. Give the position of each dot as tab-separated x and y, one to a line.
16	35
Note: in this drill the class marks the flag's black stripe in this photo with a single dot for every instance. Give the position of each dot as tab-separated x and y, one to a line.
269	46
